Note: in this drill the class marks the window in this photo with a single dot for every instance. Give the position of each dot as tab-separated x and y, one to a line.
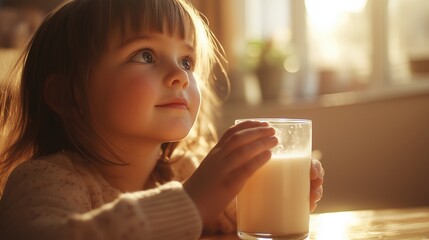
259	25
335	46
339	44
409	40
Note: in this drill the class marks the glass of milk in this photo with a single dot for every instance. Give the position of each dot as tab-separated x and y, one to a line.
275	201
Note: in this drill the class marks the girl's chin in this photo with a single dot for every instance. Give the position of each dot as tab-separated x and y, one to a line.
175	133
176	138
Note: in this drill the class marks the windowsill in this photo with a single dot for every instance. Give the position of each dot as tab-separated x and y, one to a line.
419	87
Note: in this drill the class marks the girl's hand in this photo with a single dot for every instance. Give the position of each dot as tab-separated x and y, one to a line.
239	153
316	186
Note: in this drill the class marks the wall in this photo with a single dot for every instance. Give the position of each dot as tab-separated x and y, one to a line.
376	153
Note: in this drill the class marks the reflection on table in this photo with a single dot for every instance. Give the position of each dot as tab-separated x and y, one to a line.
394	224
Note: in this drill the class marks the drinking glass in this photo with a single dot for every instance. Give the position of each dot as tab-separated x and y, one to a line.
275	201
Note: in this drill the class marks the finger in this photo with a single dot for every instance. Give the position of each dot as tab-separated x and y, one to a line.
313	172
313	206
316	169
239	127
316	183
245	137
316	195
245	153
240	175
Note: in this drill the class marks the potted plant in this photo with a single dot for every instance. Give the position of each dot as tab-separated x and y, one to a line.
266	59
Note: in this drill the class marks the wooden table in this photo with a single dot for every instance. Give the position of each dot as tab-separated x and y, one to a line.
401	224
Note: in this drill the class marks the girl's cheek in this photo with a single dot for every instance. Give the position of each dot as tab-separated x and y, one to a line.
130	104
137	88
132	80
131	89
131	75
118	94
194	88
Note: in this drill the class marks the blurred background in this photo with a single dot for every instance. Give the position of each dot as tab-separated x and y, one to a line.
358	68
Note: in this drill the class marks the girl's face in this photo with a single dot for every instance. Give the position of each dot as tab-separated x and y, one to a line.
145	89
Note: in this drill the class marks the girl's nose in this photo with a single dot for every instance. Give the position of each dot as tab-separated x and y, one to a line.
177	78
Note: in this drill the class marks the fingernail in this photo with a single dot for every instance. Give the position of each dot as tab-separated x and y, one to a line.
273	140
319	196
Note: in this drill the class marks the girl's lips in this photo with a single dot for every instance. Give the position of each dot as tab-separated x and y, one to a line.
173	105
177	103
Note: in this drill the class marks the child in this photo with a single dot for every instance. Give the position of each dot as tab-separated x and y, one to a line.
112	117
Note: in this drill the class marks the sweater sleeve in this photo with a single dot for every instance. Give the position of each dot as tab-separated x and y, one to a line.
226	222
44	201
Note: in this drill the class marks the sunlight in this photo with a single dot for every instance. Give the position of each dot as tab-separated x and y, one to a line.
333	226
336	28
327	13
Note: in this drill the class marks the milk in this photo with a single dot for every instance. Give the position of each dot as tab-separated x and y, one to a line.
275	200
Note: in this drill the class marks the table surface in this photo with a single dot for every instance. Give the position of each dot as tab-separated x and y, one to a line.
412	223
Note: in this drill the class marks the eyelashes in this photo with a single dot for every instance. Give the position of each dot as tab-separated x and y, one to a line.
147	56
187	63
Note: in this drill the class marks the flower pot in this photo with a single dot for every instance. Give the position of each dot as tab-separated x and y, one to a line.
270	82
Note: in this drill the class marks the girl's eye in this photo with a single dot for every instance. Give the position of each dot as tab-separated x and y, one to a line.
144	56
186	64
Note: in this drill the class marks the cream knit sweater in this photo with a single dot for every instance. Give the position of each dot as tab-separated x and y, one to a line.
58	198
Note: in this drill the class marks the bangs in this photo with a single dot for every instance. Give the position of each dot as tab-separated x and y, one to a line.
71	41
133	17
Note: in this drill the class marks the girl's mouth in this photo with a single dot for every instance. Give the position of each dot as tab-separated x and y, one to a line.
176	103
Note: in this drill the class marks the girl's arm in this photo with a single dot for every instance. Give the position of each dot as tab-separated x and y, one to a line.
45	201
226	222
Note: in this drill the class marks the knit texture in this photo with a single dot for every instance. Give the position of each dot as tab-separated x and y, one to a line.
57	198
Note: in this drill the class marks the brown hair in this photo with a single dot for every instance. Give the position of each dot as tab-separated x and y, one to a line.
67	46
